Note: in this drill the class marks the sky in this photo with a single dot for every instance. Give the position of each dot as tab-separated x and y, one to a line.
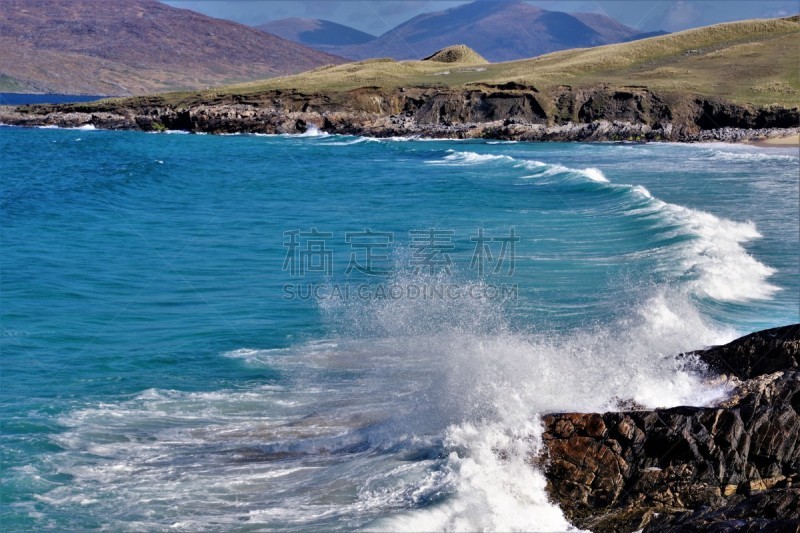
379	16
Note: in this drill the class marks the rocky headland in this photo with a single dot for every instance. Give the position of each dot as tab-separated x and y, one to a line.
508	112
732	466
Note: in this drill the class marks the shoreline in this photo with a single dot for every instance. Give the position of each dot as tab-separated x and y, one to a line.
595	132
789	141
689	468
508	112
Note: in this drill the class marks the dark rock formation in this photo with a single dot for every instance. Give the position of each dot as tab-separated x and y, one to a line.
773	510
505	111
734	466
760	353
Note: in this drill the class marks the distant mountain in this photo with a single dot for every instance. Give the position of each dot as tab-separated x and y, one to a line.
316	32
121	47
646	35
608	28
499	31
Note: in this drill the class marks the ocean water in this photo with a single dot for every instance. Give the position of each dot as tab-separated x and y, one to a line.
253	333
34	98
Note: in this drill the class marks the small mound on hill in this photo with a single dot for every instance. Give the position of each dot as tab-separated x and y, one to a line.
457	54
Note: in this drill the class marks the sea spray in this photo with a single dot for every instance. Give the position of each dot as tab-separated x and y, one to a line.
153	360
486	387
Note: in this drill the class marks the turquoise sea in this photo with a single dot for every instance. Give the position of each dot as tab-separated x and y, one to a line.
250	333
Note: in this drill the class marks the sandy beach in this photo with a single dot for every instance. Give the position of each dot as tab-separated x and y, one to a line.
779	142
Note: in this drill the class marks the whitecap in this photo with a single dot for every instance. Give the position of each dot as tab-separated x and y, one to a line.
469	158
312	131
595	174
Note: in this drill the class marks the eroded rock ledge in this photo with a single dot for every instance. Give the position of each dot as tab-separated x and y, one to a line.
735	466
506	111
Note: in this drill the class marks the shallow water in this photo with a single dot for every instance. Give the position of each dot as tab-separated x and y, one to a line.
159	346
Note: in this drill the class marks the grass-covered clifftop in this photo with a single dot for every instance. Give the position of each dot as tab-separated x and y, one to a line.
753	62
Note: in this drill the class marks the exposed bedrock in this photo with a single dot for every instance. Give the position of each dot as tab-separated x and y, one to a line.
734	466
763	352
504	111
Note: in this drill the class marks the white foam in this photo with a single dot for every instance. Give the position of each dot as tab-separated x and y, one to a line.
357	140
496	489
538	165
85	127
489	386
744	153
446	372
642	191
469	158
412	138
595	174
312	131
724	269
716	256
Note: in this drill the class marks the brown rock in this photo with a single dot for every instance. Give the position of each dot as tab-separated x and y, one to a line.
689	468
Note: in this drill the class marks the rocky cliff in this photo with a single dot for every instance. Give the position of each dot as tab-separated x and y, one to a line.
734	466
504	111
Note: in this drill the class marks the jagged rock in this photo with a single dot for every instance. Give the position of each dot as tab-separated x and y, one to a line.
774	510
690	468
763	352
503	111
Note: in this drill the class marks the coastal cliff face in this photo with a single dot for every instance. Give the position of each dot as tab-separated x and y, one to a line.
734	466
505	111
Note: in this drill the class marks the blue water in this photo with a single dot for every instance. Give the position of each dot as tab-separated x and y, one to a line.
162	366
30	98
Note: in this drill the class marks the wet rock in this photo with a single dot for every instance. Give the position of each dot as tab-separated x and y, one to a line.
735	465
763	352
773	510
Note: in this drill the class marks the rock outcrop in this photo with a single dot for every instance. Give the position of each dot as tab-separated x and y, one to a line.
510	111
731	466
759	353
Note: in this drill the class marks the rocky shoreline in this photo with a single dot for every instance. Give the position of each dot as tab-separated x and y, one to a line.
732	466
504	112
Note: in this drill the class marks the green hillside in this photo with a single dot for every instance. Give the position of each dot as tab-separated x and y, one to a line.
752	62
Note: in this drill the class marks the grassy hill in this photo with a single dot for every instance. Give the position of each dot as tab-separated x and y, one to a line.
753	62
